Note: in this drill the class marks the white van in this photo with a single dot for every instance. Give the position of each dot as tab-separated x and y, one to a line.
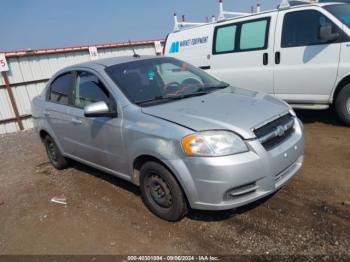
299	52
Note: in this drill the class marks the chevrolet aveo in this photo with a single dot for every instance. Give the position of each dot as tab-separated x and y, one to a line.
185	138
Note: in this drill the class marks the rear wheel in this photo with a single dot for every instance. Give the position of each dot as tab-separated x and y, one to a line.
54	154
342	104
161	193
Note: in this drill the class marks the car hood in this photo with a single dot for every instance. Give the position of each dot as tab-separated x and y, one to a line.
235	109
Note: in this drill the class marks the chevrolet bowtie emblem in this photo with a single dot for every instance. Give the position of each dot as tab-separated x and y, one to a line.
280	131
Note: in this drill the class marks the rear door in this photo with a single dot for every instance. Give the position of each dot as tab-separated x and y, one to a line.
306	67
242	53
55	112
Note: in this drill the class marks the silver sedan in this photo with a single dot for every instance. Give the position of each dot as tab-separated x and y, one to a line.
187	139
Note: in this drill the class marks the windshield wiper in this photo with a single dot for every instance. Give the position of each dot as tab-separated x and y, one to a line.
197	93
155	99
207	88
203	91
169	98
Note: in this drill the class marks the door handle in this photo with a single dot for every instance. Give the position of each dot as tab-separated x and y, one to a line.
277	58
265	58
46	113
76	121
204	67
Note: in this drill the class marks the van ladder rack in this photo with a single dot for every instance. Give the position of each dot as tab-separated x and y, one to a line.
222	12
222	16
178	25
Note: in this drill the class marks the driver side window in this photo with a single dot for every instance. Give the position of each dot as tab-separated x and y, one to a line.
89	89
301	28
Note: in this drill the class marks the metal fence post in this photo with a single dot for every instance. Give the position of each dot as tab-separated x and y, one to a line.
12	99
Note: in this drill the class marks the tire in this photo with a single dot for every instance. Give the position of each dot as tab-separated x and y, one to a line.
342	104
54	154
161	193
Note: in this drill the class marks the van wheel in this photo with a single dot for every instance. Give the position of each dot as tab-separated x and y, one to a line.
55	156
342	104
161	193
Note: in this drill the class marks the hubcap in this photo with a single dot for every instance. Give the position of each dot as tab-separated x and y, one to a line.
159	191
52	152
348	105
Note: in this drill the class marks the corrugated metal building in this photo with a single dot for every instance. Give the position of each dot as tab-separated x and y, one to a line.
30	70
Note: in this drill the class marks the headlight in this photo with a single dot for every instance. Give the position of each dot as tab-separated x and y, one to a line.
213	143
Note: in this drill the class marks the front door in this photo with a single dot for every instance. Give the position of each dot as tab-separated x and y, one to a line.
306	66
97	140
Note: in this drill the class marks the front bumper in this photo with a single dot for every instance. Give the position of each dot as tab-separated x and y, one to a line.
220	183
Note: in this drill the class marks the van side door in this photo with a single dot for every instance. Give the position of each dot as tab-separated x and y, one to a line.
242	52
306	65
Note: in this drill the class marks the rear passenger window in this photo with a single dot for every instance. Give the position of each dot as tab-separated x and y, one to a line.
241	37
301	28
225	39
253	35
60	89
89	89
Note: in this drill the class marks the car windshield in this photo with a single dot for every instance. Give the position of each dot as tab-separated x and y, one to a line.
161	80
340	11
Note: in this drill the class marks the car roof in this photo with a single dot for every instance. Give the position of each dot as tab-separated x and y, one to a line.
111	61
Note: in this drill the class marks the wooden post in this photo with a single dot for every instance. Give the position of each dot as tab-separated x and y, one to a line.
12	99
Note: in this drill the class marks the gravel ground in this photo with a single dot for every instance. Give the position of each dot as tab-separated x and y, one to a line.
105	215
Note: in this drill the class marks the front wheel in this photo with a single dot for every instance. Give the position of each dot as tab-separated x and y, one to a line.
54	154
342	104
161	193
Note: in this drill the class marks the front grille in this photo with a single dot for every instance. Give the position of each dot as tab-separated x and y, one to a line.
275	132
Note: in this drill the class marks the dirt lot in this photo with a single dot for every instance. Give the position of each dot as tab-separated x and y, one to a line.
105	215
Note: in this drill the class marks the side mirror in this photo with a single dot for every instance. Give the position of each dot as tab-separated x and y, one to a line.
326	35
99	109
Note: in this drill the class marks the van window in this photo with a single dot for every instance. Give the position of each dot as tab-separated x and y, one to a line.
242	36
301	28
60	89
89	89
225	39
253	35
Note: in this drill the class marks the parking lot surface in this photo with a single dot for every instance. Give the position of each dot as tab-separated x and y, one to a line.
105	215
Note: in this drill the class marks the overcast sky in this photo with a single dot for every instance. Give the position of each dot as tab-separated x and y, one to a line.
59	23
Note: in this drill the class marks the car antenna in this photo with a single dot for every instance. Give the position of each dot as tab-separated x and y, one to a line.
133	50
